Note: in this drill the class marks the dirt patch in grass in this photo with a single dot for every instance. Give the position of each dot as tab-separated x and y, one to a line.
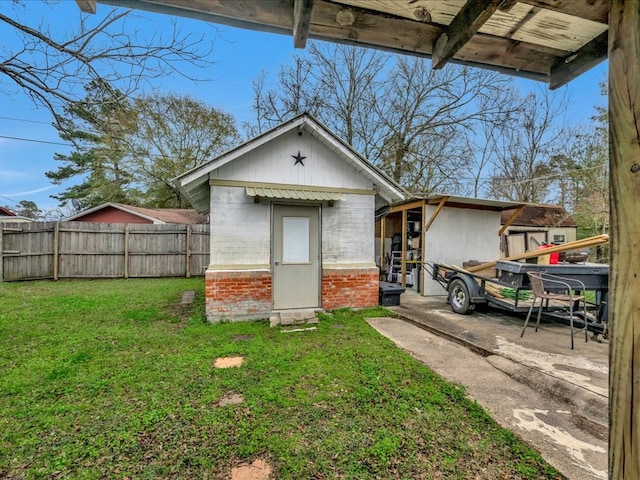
228	362
231	399
242	337
258	470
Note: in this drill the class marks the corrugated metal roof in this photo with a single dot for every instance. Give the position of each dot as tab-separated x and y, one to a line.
293	193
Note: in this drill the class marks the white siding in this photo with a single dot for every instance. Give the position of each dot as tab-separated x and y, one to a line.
348	231
458	235
273	163
240	229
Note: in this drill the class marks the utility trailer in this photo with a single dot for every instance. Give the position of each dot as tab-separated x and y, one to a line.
468	291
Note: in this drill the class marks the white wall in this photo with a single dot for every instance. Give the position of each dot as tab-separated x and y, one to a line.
458	235
273	163
240	229
348	231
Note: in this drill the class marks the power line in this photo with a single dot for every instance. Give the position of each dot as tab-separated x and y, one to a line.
36	141
25	120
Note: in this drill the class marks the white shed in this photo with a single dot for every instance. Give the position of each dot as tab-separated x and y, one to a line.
292	223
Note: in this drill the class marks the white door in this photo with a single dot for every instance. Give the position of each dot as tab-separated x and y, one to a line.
296	257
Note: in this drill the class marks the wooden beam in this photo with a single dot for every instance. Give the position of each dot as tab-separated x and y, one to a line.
301	21
585	59
87	6
416	38
471	17
594	10
443	201
273	16
368	29
624	301
512	218
406	206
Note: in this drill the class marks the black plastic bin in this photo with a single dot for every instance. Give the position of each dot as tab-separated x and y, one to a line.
389	294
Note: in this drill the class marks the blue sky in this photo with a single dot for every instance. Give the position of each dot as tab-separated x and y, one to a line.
240	56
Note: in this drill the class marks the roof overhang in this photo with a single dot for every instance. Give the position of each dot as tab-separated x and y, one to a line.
293	193
452	201
546	40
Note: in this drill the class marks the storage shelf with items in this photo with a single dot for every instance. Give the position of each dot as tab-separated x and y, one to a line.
394	266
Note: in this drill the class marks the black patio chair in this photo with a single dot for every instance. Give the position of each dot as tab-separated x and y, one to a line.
548	287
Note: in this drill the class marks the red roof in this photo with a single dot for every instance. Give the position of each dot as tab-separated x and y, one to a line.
6	212
163	215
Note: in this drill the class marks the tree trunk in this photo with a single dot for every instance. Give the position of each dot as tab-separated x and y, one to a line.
624	121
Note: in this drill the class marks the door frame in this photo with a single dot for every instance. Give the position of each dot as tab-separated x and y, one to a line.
318	208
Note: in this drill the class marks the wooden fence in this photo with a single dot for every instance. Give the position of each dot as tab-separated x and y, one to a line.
57	250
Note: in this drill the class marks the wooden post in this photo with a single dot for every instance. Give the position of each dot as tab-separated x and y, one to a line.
56	250
403	270
624	300
383	233
188	250
423	250
126	250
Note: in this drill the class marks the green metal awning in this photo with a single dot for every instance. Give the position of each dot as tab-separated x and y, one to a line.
293	193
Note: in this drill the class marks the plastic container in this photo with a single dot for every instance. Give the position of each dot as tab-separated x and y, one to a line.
552	258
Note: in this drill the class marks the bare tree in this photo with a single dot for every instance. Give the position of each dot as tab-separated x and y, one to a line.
523	170
404	117
428	116
114	47
334	83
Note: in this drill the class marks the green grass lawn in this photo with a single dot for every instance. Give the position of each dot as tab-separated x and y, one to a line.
113	379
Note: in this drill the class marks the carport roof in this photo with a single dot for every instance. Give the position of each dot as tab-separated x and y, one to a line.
419	200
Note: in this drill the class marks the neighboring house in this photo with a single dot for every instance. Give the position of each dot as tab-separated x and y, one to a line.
120	213
534	225
292	223
7	216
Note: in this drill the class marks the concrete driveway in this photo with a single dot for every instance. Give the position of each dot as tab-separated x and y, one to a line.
553	397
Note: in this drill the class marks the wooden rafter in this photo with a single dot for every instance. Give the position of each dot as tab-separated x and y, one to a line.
301	21
512	219
87	6
584	59
440	206
471	17
406	206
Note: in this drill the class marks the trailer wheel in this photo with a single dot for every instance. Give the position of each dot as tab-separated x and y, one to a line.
459	297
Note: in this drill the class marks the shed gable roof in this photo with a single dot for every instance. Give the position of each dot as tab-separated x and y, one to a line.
540	216
194	184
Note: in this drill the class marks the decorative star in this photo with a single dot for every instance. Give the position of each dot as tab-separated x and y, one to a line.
299	159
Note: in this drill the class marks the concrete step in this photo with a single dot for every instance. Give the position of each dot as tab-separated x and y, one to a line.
294	316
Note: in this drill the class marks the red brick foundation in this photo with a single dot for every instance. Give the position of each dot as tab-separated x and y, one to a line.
238	294
350	287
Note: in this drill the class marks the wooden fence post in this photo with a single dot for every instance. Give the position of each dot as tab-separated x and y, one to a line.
188	250
56	250
126	250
